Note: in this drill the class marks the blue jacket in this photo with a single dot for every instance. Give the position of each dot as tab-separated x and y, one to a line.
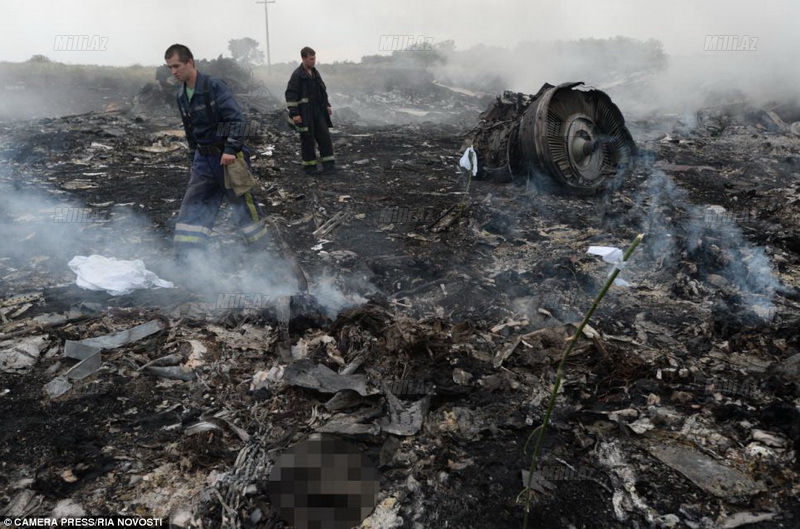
213	117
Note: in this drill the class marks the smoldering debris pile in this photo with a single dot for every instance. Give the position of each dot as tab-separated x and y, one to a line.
421	103
456	297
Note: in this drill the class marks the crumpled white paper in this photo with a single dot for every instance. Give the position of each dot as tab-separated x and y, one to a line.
469	161
612	256
115	276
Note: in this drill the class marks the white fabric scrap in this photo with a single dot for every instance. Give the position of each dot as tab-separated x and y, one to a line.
614	257
115	276
469	161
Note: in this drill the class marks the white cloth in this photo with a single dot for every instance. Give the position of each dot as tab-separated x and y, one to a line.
469	161
613	256
113	275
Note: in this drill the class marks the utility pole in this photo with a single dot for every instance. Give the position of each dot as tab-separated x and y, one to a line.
266	19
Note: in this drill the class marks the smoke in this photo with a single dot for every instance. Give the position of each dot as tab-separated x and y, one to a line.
43	232
330	293
679	232
36	227
692	82
641	78
36	89
664	202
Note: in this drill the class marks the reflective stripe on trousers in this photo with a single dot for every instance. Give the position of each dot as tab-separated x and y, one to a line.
201	202
317	134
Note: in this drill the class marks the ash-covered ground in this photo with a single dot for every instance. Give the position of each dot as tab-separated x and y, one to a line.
449	299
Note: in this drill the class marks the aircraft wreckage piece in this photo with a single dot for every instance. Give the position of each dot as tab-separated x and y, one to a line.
578	136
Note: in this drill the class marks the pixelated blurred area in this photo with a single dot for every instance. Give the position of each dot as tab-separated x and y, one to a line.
323	483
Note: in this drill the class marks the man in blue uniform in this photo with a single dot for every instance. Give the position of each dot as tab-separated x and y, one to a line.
310	113
215	130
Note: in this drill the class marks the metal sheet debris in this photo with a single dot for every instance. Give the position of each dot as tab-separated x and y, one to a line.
20	355
711	476
306	374
81	349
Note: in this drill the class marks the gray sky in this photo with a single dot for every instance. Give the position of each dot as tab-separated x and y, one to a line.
138	31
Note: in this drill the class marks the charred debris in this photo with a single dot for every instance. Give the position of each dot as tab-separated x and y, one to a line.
438	307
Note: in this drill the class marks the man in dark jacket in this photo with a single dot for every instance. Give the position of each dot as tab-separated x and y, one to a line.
310	113
215	129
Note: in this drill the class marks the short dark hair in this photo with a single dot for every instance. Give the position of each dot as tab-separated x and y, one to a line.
184	53
305	52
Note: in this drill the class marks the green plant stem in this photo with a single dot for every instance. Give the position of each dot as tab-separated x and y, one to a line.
560	373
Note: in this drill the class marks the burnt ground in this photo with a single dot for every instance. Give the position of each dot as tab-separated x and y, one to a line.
467	287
